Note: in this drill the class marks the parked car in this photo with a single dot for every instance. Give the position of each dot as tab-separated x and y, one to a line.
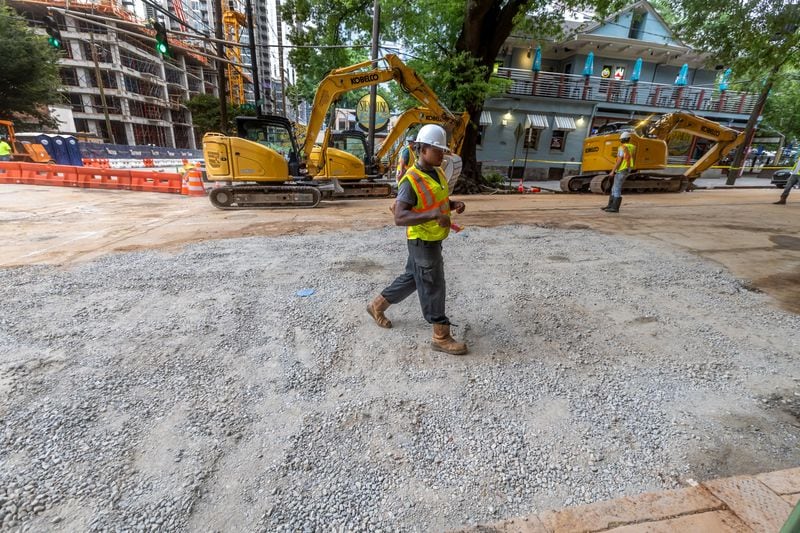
780	178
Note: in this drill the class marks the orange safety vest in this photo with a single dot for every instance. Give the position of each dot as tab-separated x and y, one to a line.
432	195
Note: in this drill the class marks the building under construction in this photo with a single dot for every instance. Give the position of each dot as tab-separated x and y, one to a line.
114	77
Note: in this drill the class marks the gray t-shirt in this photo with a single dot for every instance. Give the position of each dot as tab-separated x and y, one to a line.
405	192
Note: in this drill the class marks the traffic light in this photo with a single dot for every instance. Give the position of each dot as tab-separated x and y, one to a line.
54	34
162	44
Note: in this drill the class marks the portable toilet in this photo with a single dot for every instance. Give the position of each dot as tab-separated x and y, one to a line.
73	151
60	150
47	144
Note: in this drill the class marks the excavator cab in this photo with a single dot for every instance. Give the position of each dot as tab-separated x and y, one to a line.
355	142
275	133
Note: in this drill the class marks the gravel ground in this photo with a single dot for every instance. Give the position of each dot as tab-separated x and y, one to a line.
197	391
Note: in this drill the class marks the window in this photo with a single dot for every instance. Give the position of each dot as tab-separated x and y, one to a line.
481	131
558	141
637	25
532	138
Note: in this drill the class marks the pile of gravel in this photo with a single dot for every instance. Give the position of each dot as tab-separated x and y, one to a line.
151	391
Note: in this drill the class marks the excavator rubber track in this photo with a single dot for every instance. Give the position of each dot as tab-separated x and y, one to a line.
364	190
265	197
601	183
579	183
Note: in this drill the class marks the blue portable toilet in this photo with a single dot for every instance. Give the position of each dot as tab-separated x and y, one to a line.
73	150
61	155
47	144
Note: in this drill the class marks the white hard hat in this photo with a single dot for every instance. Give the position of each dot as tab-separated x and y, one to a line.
434	135
625	136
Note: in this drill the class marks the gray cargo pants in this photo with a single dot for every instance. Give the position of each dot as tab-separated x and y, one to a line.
790	183
424	274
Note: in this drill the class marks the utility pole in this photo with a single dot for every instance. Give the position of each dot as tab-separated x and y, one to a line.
248	9
223	103
99	78
373	91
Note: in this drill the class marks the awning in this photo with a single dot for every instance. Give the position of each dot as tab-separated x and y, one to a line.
565	124
486	118
538	122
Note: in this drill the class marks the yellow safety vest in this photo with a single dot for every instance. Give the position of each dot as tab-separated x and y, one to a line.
403	165
5	148
631	150
431	196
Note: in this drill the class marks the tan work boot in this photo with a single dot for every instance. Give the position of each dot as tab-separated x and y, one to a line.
376	308
782	201
443	342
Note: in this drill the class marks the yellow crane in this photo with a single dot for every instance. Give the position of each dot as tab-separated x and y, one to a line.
232	23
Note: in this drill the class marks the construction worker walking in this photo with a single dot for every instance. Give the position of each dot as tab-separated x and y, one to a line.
622	167
791	182
404	160
423	206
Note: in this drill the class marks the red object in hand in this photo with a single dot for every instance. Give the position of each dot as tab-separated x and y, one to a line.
455	227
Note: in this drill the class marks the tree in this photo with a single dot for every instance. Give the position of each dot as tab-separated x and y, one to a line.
453	45
758	39
29	79
205	114
782	111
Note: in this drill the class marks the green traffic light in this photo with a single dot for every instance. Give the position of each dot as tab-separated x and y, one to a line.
55	43
162	48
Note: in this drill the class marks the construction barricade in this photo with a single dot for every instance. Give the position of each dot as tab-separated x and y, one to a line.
89	177
155	181
101	178
9	173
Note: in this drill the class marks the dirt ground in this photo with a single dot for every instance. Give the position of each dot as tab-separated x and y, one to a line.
740	229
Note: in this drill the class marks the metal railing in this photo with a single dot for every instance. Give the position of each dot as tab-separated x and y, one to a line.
592	88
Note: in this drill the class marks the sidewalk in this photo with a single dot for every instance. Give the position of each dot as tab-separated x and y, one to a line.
701	183
759	503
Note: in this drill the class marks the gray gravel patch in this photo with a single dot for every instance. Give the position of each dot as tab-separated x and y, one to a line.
197	391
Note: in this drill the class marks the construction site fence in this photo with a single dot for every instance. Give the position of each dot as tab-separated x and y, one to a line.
138	163
90	178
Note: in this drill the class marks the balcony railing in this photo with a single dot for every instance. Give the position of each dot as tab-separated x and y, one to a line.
594	89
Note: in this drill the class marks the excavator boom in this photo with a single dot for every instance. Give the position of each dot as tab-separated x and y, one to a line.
725	139
365	74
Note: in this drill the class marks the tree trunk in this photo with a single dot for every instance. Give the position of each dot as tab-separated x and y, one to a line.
737	166
487	25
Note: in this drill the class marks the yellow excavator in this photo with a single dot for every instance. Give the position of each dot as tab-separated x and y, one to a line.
650	139
271	169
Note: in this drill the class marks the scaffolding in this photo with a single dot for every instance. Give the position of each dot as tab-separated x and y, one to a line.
232	23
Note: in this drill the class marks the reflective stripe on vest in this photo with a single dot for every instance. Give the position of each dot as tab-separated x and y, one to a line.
431	195
631	150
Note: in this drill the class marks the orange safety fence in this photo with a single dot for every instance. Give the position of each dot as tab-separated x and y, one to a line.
155	181
89	178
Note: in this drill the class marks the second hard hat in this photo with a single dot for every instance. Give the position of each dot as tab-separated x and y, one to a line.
433	135
625	136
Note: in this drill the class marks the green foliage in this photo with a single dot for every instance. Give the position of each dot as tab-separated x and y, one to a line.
494	179
782	111
333	23
29	79
753	37
205	113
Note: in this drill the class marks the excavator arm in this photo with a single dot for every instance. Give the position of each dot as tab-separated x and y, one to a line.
367	74
422	115
725	139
